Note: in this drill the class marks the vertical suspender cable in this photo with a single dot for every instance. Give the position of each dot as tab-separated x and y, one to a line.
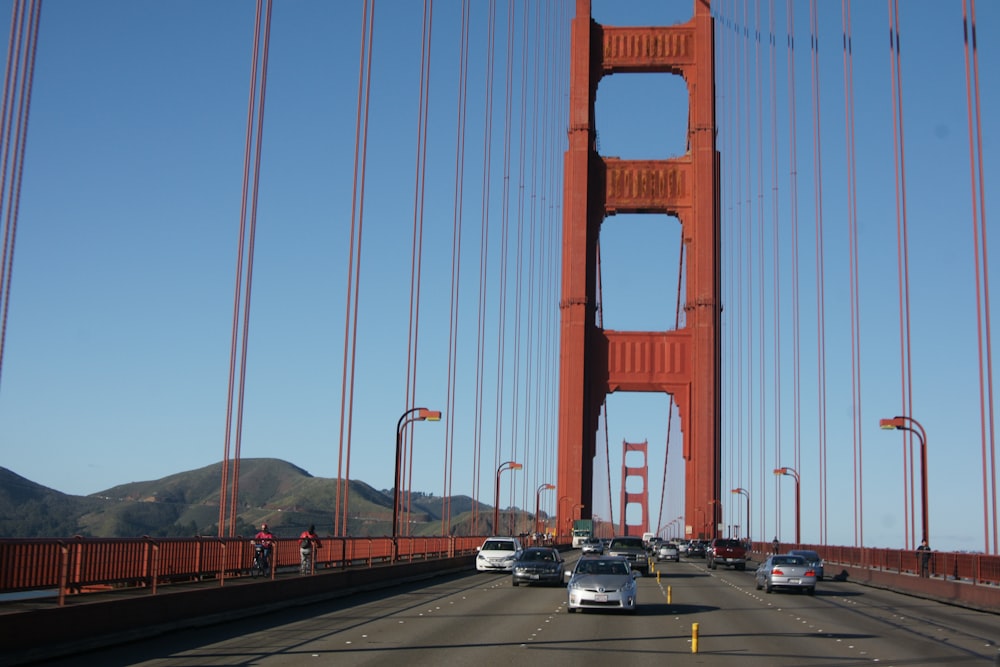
903	254
243	288
820	272
855	287
341	503
776	250
976	179
416	251
504	242
762	402
18	79
794	212
456	256
483	262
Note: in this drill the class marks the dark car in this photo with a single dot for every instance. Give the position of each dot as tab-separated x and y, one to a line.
538	565
696	549
631	549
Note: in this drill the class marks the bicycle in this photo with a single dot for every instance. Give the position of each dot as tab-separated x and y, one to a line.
260	565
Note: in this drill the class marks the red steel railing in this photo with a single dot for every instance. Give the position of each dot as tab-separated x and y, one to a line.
81	564
968	567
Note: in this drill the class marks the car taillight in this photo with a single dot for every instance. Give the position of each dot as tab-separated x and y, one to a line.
810	573
778	572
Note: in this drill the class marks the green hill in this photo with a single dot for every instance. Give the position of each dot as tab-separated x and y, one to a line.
185	504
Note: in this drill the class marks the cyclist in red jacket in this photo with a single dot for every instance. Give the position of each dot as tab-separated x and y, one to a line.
265	540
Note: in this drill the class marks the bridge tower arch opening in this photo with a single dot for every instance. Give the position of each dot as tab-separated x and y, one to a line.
595	361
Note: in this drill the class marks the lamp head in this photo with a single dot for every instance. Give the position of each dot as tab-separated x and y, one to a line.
429	415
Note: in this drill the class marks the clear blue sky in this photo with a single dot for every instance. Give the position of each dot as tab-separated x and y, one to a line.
117	348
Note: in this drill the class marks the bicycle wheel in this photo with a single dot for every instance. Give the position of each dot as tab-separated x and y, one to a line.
257	569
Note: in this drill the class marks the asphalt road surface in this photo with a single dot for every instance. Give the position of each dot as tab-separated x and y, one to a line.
480	619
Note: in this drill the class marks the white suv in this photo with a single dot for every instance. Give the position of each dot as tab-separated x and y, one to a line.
498	554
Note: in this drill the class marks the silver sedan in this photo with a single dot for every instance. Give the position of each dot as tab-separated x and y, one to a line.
603	582
784	571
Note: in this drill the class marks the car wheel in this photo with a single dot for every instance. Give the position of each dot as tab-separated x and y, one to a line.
811	590
741	566
757	585
768	588
514	581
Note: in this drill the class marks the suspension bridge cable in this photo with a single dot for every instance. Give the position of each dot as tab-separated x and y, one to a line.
483	262
456	255
243	288
341	502
416	249
776	250
855	286
902	252
18	83
976	180
820	271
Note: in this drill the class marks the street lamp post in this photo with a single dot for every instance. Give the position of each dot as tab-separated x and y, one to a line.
904	424
538	493
746	493
506	465
418	415
791	472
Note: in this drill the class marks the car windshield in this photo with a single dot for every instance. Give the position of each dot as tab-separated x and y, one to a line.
602	567
499	546
808	555
626	543
538	554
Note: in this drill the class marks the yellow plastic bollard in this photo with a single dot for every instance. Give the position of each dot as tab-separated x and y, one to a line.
670	595
694	637
657	577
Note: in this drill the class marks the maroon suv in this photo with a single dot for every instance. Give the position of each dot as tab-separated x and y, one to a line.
723	551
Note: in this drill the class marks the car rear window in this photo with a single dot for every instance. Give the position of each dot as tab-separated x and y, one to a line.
496	545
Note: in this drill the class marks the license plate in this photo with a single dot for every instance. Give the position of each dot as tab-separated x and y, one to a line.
793	581
534	576
601	598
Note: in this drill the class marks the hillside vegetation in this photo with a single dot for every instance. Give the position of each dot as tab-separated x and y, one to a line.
186	504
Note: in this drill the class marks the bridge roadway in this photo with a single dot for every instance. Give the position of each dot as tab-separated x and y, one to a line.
474	618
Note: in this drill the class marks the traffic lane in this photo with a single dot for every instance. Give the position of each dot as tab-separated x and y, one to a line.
455	620
872	624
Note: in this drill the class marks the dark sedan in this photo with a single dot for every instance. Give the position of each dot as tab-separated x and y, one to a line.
538	565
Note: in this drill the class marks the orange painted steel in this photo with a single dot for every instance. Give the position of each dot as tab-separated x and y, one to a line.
80	565
640	498
684	363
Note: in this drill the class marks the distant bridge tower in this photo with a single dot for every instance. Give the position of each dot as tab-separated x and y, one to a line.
684	363
640	498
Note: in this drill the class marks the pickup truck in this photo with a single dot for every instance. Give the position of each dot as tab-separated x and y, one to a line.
726	552
631	549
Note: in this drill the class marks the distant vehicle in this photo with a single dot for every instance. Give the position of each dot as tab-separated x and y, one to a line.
723	551
592	546
602	582
632	550
682	547
696	548
784	571
812	559
583	530
498	554
668	551
538	565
